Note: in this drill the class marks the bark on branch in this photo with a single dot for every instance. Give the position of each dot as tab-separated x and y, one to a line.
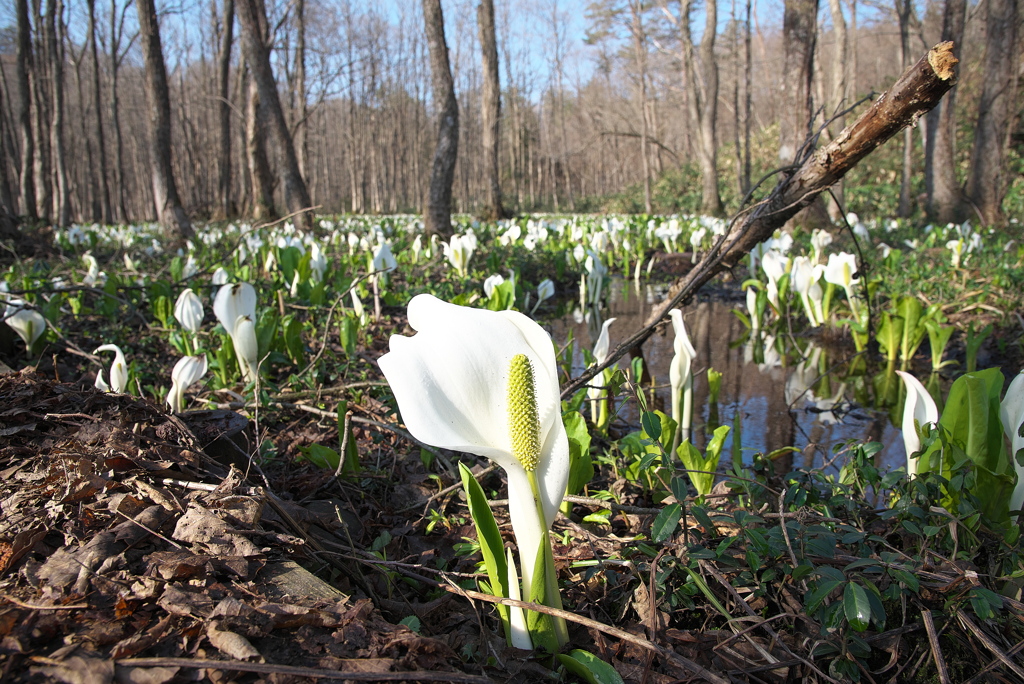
916	92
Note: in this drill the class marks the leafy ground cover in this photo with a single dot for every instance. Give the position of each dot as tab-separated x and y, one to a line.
288	520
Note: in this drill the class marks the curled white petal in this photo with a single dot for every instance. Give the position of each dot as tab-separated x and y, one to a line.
918	410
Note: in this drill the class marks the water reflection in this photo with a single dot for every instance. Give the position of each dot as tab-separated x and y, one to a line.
788	391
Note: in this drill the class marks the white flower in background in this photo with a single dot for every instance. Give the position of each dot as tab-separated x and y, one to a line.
235	308
696	238
756	253
28	323
188	309
545	290
417	248
188	370
805	276
317	262
599	242
492	282
755	320
579	254
94	277
782	244
912	244
129	265
820	239
459	250
383	260
773	263
511	235
918	410
861	231
839	271
190	268
883	250
596	272
486	383
220	276
118	371
76	235
353	243
956	248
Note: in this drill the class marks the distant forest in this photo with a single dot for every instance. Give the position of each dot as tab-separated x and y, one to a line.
133	110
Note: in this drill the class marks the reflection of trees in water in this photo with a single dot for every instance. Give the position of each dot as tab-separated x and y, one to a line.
758	393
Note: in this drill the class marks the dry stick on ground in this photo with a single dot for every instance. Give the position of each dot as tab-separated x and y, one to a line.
933	640
916	92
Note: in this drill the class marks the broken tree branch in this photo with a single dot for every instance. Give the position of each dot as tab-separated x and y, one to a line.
916	92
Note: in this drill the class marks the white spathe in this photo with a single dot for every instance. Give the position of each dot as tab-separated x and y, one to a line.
235	308
680	374
188	370
188	309
118	371
918	410
28	323
1011	413
451	384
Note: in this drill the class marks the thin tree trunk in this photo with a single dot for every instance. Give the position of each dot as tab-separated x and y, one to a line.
996	110
439	201
838	97
62	199
158	98
636	28
300	86
260	178
104	186
945	201
41	116
225	207
24	68
251	17
491	109
711	201
799	28
748	73
116	33
903	9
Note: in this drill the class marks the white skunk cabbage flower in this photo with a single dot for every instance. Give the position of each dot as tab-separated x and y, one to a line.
188	370
28	323
820	239
459	250
680	375
235	308
486	383
221	276
918	410
118	371
492	282
1011	413
188	309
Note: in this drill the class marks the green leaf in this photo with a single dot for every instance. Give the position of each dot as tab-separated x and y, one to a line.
666	522
856	606
491	546
321	456
651	424
412	622
581	466
589	667
293	340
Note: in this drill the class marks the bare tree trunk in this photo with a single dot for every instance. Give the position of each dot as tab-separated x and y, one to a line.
799	28
24	67
636	29
165	191
116	33
996	111
225	207
104	186
491	108
439	201
251	17
903	9
702	99
300	86
838	97
62	200
748	74
945	198
260	178
41	117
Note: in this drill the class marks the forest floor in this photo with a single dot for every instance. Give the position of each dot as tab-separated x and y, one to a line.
153	547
